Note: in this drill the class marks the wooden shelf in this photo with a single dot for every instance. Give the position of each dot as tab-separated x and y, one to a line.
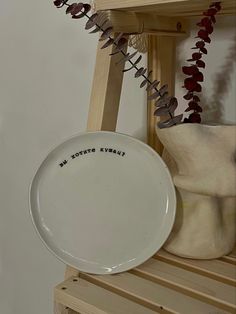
166	7
163	284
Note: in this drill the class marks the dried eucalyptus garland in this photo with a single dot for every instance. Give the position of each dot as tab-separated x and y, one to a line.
166	104
192	83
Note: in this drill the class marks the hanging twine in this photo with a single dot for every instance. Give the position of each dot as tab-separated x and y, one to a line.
139	42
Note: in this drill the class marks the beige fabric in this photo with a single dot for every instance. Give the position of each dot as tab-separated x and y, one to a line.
202	162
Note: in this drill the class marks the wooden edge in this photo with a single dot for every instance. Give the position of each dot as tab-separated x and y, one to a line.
106	90
94	298
185	290
180	6
127	294
71	272
130	22
161	60
229	259
183	263
75	304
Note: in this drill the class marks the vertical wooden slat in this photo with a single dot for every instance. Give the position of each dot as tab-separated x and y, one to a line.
104	104
106	90
161	60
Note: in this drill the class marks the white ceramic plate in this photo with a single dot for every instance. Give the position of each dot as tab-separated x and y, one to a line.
103	202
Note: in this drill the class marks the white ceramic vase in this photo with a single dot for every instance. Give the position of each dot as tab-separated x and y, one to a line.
202	161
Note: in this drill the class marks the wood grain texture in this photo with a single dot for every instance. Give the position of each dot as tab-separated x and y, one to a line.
166	7
106	90
163	284
103	110
161	60
85	297
191	284
131	22
229	259
215	269
151	294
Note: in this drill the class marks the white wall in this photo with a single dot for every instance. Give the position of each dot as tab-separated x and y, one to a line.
46	68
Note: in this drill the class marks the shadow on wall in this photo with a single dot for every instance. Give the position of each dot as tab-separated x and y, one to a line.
214	111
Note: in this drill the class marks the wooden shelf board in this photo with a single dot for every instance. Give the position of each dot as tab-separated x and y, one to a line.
163	284
166	7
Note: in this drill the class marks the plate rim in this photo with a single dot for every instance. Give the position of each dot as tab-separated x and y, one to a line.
61	259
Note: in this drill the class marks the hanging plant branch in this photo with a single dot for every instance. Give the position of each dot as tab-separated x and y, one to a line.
193	83
166	104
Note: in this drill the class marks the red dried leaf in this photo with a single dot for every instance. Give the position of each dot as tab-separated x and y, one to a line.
213	19
205	22
203	34
196	98
198	88
192	105
209	29
198	77
200	44
190	70
203	50
210	12
217	6
194	118
196	108
190	84
214	4
196	55
200	64
188	96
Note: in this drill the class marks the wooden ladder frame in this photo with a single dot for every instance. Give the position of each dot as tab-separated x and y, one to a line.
162	31
108	76
106	91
